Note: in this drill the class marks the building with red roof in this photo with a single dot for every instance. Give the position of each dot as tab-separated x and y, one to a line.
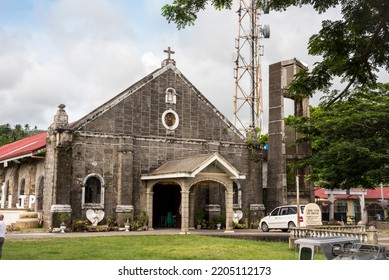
28	147
355	204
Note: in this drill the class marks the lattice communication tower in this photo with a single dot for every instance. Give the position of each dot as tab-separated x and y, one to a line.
248	109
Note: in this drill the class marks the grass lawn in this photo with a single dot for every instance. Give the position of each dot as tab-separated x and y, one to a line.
169	247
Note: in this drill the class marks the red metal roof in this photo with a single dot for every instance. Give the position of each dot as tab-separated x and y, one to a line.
320	193
376	193
23	147
370	194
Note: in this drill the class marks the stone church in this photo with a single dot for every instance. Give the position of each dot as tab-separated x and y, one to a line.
159	146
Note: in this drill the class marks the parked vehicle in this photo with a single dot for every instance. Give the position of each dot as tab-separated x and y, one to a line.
283	217
340	248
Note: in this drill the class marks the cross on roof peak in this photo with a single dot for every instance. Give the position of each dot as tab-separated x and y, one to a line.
169	52
168	59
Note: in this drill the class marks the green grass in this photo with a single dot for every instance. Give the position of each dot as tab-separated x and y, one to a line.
169	247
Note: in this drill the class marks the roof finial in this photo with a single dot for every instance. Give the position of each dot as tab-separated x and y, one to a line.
169	59
60	118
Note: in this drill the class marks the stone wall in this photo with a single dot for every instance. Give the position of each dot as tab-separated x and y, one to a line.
126	138
122	168
29	170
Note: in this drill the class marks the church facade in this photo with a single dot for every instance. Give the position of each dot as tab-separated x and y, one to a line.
159	147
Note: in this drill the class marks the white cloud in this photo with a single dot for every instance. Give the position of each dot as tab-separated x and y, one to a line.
82	53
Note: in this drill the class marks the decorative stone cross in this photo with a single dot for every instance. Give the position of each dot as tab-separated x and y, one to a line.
169	52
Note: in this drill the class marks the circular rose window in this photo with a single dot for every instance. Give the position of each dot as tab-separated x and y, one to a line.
170	119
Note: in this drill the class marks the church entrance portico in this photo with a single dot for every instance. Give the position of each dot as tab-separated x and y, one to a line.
193	175
207	197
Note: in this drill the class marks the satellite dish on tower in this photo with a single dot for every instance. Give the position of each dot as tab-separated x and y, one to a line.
266	31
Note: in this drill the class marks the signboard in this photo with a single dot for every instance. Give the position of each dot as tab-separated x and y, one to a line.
312	215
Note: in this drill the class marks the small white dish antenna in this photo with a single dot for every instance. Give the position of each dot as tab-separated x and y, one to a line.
266	31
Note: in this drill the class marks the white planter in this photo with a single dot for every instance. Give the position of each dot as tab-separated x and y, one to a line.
62	228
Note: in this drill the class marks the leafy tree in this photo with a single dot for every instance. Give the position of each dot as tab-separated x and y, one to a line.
5	132
350	137
353	48
350	140
9	134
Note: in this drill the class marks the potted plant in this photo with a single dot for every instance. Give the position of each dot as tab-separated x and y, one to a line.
144	218
219	221
63	217
199	217
112	223
129	218
80	225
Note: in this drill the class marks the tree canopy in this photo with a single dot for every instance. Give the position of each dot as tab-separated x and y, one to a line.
354	48
10	134
350	140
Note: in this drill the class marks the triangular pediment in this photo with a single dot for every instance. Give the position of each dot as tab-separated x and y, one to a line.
143	104
122	96
191	166
212	168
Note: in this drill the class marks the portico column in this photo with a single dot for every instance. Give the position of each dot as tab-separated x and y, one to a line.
229	208
149	207
191	209
184	211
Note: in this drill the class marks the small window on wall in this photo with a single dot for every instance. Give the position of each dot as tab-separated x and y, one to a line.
39	198
93	192
237	197
5	195
22	190
170	96
22	187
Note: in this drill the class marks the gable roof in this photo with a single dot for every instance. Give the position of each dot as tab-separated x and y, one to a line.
189	167
141	83
26	147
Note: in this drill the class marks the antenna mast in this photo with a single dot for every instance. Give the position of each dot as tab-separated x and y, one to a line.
248	109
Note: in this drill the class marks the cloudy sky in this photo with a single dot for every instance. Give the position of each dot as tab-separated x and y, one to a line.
82	53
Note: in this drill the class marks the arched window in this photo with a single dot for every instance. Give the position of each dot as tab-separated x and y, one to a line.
170	96
235	190
39	198
3	195
6	193
22	186
93	192
237	197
